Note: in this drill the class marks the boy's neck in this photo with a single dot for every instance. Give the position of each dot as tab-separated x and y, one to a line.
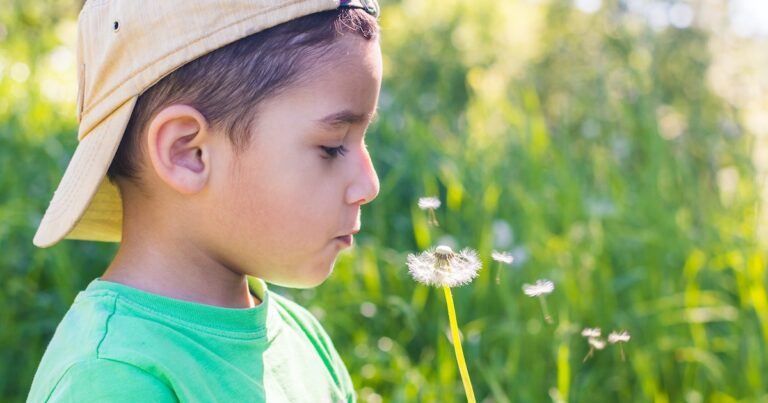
167	260
177	273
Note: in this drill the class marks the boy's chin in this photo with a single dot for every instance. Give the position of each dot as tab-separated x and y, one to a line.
309	279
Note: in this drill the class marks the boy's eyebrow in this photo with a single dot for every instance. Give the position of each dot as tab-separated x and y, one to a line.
347	117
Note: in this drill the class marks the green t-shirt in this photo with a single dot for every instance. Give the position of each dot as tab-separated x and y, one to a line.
118	343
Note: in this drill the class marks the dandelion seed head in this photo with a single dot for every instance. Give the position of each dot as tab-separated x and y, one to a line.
591	332
426	203
596	343
502	257
443	256
443	267
619	337
443	250
541	287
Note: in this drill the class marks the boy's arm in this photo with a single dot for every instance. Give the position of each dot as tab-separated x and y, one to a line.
101	380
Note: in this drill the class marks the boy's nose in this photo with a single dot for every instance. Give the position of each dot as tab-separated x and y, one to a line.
365	183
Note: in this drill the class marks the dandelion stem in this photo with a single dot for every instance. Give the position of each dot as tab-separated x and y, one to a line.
498	274
589	354
457	346
545	310
621	348
432	218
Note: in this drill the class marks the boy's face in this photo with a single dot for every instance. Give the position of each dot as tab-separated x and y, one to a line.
285	201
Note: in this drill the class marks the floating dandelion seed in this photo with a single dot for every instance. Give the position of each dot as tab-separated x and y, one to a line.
430	204
541	289
621	338
442	267
591	332
597	344
503	258
593	338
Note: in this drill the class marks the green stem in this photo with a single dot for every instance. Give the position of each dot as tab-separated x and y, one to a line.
432	218
457	346
589	354
545	310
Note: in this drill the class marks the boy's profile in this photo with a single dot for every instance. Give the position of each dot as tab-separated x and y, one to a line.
218	140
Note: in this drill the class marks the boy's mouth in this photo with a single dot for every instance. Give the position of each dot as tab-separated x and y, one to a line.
346	239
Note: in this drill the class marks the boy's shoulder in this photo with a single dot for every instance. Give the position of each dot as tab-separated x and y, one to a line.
100	380
73	354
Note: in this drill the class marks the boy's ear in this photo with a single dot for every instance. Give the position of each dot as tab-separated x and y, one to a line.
179	148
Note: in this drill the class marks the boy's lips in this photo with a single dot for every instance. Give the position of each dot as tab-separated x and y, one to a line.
345	239
349	238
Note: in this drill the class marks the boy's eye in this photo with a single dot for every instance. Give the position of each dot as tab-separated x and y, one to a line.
334	152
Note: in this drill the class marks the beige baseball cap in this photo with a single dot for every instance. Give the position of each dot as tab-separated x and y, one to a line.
125	47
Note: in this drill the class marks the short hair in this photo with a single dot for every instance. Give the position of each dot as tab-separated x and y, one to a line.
227	84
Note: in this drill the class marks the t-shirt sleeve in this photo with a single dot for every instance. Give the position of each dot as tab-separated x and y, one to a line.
101	380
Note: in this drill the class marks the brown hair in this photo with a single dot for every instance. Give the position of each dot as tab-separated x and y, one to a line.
227	84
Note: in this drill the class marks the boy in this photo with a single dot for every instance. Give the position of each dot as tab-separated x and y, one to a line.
218	140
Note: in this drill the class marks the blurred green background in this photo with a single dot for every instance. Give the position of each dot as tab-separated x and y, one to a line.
616	147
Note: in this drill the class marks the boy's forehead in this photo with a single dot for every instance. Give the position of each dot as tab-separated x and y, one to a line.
326	105
340	90
347	116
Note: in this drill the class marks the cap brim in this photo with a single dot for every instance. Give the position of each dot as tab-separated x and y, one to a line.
86	205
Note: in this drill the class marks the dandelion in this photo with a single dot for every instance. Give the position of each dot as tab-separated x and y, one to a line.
591	332
430	204
541	289
597	344
444	268
503	258
593	338
620	338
